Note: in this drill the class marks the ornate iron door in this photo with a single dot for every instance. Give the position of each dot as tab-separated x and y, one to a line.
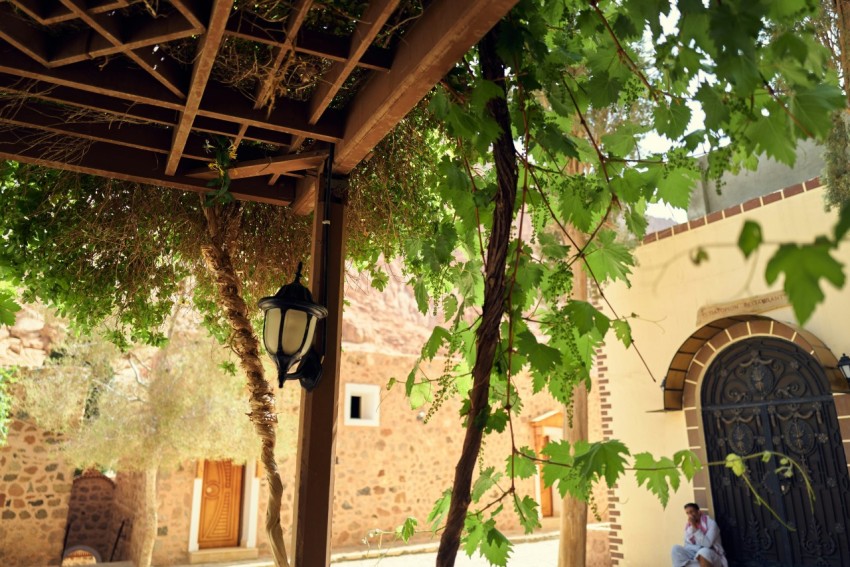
768	394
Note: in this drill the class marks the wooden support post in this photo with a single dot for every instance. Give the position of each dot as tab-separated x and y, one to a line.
317	437
573	545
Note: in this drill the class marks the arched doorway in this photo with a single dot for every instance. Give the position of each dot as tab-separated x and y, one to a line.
764	394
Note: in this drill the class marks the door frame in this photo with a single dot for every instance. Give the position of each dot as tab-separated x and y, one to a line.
248	516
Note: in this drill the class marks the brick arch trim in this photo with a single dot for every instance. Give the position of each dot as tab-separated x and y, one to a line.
696	353
91	551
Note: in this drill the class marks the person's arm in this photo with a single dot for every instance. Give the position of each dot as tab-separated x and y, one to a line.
708	538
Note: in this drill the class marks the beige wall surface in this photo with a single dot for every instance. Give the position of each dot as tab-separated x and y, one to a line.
667	290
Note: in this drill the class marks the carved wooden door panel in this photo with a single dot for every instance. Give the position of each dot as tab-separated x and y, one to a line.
221	504
768	394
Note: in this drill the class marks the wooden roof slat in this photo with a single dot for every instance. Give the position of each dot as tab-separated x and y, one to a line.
22	35
441	36
207	50
139	136
129	164
120	81
311	42
110	28
287	115
285	50
373	20
195	11
376	15
141	32
278	164
51	12
87	100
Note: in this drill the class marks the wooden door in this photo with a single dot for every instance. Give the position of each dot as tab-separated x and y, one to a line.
545	491
221	504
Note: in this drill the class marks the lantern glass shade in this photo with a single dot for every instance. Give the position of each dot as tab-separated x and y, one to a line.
288	329
844	366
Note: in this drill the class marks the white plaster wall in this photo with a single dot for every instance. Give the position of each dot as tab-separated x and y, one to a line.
667	290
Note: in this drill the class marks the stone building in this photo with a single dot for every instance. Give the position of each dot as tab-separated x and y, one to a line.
391	464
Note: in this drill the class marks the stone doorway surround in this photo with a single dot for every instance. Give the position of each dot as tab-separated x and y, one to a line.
248	520
724	333
547	427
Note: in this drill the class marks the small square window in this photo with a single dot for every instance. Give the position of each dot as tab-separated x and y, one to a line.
362	404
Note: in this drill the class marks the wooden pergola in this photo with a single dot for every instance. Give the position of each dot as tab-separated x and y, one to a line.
134	90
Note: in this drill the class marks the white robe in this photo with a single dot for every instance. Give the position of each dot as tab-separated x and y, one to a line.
699	544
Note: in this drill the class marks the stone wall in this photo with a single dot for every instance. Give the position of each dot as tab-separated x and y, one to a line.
35	488
174	490
90	513
127	502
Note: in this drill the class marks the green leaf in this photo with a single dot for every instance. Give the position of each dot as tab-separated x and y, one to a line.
688	462
736	464
750	238
672	121
495	547
659	475
804	266
587	318
526	511
407	529
519	465
440	509
419	394
485	481
602	459
623	331
439	335
496	421
608	259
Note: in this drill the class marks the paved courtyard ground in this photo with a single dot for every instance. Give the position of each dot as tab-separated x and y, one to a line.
543	553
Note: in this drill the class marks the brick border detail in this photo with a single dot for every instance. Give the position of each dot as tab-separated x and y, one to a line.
754	203
703	358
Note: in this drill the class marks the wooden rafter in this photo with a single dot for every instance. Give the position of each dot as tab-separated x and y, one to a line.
108	27
141	32
441	36
24	37
48	13
373	20
130	164
311	42
192	10
207	50
284	51
268	166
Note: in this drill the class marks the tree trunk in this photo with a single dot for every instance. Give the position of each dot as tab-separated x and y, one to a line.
150	519
487	336
222	221
842	11
573	545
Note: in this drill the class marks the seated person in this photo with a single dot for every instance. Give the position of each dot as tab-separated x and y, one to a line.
702	542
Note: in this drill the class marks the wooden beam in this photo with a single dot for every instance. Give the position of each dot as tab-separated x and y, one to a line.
373	20
441	36
193	11
48	13
116	79
268	166
22	35
285	49
207	50
287	115
305	195
110	28
129	164
250	27
132	135
141	32
376	15
318	424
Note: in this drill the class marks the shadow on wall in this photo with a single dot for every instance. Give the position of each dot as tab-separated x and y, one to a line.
95	529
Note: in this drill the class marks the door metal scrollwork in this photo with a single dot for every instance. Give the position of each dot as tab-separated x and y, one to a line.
767	394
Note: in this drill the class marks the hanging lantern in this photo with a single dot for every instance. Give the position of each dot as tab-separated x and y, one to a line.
290	322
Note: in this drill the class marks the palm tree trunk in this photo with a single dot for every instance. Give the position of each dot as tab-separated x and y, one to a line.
221	220
487	336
